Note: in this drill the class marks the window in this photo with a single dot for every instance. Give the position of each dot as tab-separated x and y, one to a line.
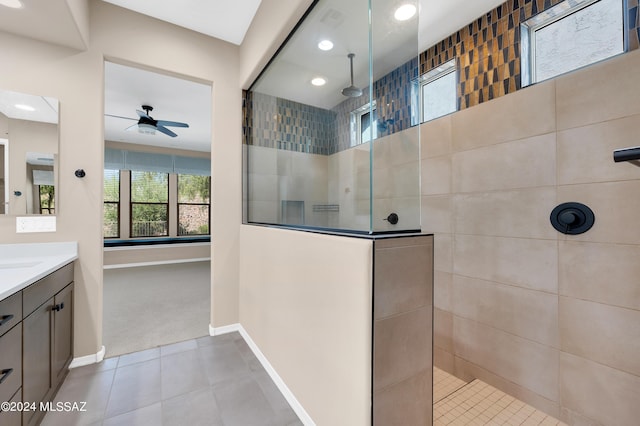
47	199
193	204
149	204
439	91
363	124
111	204
571	35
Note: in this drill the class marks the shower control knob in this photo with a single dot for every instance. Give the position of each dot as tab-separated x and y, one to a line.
392	218
568	217
572	218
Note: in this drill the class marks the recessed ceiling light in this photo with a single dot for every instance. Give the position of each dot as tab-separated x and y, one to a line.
325	45
14	4
405	12
318	81
24	107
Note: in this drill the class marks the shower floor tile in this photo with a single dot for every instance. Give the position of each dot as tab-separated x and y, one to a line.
477	403
444	384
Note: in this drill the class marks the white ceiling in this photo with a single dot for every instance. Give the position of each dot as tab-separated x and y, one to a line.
226	20
173	99
45	109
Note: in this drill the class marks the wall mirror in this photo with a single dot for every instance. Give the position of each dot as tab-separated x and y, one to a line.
28	153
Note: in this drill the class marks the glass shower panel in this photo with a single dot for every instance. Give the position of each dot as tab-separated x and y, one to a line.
317	117
395	87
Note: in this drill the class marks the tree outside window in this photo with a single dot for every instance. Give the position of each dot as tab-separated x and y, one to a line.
193	204
149	204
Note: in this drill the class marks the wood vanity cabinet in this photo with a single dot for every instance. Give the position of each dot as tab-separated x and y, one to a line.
39	346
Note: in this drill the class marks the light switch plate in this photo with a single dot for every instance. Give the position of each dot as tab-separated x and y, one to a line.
26	224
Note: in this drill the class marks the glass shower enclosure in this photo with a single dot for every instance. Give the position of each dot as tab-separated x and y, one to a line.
331	136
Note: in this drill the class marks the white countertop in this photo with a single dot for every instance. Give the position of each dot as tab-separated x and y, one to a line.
24	264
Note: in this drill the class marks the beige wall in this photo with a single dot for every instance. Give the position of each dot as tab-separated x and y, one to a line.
305	299
149	255
552	319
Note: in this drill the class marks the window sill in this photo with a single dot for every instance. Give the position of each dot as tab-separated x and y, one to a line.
115	242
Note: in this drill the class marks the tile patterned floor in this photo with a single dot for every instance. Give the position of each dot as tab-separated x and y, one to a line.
457	403
206	381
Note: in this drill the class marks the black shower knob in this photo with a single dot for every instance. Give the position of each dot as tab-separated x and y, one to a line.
572	218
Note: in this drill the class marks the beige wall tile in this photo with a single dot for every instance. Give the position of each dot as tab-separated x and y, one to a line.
603	333
443	360
523	362
604	394
615	205
522	213
522	262
264	211
469	371
262	161
403	279
585	154
443	330
396	149
443	252
442	282
435	137
407	209
284	162
605	273
436	175
263	187
523	163
599	92
405	180
406	403
526	313
436	214
402	347
525	113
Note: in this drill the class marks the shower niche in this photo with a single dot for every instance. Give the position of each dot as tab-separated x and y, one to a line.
331	140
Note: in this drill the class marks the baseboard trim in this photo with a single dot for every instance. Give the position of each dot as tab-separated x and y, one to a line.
88	359
155	263
305	418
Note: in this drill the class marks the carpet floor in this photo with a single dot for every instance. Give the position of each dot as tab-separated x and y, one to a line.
150	306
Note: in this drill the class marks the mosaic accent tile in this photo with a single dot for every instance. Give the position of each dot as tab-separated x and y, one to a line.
279	123
487	50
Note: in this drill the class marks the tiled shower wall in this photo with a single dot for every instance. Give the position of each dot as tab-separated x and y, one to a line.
487	51
551	319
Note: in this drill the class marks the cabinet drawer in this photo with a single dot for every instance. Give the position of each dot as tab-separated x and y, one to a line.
10	363
42	290
12	418
10	312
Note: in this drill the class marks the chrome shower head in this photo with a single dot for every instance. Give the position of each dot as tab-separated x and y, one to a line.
351	91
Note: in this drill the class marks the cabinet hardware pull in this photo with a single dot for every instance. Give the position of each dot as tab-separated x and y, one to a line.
5	319
62	306
5	373
56	308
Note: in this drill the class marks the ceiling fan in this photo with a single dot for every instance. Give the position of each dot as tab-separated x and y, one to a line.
146	124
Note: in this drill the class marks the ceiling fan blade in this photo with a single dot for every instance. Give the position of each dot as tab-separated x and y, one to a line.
119	116
172	123
131	128
166	131
143	114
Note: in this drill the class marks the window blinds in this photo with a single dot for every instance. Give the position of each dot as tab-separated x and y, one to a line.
119	159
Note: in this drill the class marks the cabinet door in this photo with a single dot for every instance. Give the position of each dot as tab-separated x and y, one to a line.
36	358
62	349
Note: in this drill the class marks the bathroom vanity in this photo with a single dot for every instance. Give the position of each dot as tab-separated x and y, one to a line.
36	326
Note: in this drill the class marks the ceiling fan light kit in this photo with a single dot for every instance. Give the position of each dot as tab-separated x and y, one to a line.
148	125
